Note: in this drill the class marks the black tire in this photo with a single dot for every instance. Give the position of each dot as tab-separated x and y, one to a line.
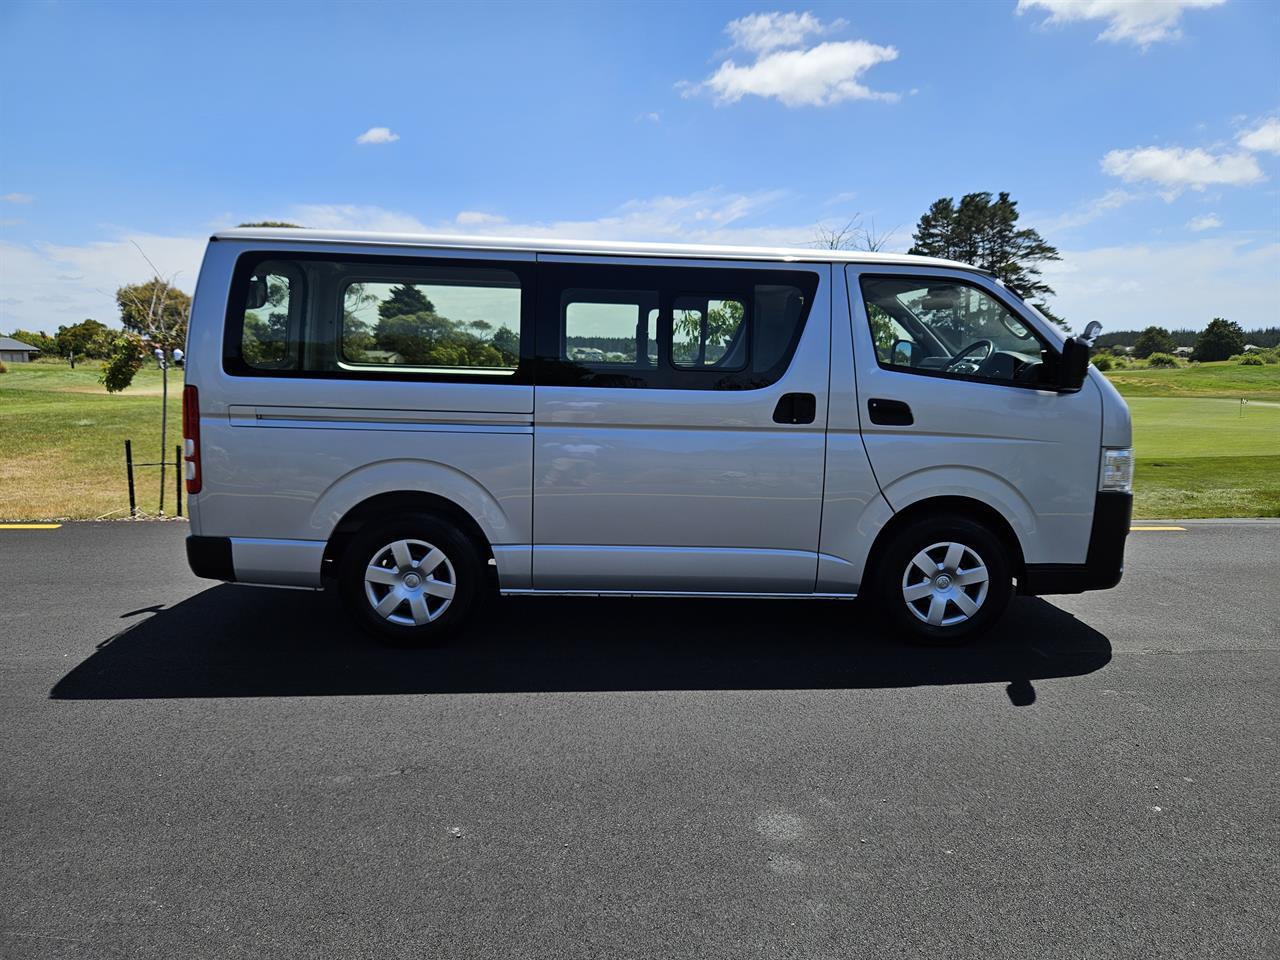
417	533
897	561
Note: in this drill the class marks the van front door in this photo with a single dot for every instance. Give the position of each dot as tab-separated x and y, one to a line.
956	398
679	426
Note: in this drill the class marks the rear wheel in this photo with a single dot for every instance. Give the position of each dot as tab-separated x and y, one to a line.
944	579
410	580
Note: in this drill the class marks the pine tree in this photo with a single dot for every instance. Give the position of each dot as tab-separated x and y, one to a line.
985	233
404	300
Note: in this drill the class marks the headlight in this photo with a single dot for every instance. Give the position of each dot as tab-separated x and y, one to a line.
1117	469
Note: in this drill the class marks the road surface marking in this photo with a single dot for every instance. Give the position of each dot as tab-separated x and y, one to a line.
1153	529
29	526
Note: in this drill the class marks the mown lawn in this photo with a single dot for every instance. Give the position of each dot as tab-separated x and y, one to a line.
1225	379
62	441
1205	458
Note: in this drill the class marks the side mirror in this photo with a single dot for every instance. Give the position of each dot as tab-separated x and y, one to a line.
903	353
257	295
1074	366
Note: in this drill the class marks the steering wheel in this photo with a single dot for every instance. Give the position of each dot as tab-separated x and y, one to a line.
987	346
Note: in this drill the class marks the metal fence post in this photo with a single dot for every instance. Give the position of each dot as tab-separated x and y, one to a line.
177	478
128	462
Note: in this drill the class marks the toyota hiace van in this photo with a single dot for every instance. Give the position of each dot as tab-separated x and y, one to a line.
419	421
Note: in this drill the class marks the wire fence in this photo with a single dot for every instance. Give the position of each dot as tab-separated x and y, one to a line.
130	465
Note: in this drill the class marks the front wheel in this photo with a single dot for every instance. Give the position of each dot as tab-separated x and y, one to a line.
944	579
410	580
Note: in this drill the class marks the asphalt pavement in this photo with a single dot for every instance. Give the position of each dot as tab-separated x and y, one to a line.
201	770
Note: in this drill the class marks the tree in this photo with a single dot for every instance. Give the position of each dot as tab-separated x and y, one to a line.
1221	339
155	310
1153	340
984	232
271	223
88	338
852	236
404	299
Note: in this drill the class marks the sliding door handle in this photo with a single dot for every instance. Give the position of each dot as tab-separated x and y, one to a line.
890	413
796	408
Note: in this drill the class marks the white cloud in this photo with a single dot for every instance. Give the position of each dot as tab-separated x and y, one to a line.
1087	212
47	285
789	72
378	135
472	218
1265	137
1207	221
707	216
653	117
762	32
1176	168
17	198
1174	285
1142	22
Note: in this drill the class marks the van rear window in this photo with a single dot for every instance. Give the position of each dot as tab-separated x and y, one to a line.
375	317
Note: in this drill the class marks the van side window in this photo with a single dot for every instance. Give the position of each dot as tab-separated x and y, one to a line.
454	319
945	327
272	307
691	328
379	318
708	332
605	327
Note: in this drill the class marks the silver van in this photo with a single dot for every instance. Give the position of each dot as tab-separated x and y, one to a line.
419	421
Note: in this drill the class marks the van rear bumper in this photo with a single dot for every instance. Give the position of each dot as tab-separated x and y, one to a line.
277	563
1104	564
210	557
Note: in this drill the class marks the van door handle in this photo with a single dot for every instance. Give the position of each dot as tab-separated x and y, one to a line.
890	413
796	408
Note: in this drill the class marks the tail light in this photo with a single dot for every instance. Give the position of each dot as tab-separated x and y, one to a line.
191	436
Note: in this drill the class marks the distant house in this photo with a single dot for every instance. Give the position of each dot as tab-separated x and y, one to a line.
1183	351
15	351
1250	347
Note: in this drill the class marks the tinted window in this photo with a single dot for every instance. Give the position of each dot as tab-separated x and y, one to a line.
375	316
945	327
669	327
708	332
272	308
605	327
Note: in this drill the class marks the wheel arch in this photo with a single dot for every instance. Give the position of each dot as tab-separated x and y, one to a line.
393	502
967	507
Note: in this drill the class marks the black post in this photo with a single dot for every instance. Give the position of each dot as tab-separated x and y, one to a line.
128	462
177	478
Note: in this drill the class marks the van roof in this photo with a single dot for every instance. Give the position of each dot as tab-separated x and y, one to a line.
609	248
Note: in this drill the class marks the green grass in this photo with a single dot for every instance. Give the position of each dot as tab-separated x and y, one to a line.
62	441
1199	452
1205	458
1224	379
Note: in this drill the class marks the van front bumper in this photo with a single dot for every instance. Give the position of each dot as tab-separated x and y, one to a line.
1104	564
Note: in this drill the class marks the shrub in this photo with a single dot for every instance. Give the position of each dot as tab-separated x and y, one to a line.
1121	363
1163	360
1251	360
3	368
1103	362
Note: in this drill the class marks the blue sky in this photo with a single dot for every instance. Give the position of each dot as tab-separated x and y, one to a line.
1143	139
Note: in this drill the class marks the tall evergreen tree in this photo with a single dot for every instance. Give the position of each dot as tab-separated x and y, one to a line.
985	233
403	300
1221	339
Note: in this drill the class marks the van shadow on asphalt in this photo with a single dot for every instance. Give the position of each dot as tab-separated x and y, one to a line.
231	641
